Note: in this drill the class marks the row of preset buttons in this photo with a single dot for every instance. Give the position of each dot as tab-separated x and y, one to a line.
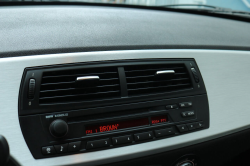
75	146
128	138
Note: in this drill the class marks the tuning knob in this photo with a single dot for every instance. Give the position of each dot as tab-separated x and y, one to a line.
58	128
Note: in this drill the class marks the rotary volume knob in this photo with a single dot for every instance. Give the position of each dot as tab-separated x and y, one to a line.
58	128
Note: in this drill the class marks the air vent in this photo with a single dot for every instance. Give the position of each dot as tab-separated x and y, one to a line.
63	86
142	79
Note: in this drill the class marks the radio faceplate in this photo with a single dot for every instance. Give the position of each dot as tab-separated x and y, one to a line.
141	122
76	108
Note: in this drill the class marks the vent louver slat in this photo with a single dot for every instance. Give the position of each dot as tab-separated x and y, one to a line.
141	79
60	86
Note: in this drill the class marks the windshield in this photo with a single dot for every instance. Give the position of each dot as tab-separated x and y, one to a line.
242	5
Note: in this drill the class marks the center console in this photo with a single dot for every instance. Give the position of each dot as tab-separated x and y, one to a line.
84	107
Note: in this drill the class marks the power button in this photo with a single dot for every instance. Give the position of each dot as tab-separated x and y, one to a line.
48	150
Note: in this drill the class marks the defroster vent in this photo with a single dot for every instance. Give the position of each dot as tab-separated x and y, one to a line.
157	78
82	84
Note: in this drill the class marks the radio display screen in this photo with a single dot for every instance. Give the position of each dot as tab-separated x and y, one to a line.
116	125
159	119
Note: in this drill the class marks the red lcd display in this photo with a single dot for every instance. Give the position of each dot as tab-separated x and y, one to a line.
159	119
116	125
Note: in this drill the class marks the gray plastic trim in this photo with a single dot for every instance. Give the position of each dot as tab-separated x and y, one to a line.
225	73
45	29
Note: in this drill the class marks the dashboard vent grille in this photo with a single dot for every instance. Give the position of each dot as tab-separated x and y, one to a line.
60	86
142	79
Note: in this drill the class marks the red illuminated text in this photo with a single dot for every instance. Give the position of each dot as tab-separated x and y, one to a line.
116	125
109	127
88	131
158	121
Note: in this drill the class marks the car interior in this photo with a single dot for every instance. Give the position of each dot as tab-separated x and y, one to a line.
124	82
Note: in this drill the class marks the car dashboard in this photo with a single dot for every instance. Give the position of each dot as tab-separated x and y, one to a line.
170	71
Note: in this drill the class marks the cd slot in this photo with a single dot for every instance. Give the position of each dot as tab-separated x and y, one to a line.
110	115
117	125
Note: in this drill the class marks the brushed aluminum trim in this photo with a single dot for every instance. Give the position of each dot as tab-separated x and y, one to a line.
228	97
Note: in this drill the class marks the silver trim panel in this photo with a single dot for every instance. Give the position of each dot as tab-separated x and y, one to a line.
228	97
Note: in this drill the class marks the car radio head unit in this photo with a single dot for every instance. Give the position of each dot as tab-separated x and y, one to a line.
128	102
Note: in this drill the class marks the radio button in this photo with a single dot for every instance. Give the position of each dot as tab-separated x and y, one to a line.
74	146
122	140
199	125
188	113
192	126
185	104
98	144
48	150
143	136
61	148
164	132
182	128
172	106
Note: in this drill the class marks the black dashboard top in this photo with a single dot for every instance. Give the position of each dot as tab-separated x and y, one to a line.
30	30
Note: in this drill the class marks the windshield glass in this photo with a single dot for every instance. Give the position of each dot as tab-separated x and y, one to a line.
242	5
